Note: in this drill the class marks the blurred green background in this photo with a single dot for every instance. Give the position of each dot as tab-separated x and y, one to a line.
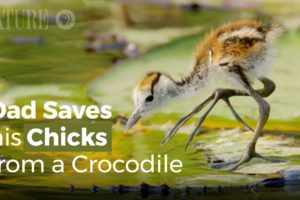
110	47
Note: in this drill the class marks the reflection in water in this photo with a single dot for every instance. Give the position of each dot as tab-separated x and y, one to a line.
287	185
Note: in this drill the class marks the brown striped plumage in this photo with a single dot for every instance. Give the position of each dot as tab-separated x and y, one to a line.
239	45
240	42
243	44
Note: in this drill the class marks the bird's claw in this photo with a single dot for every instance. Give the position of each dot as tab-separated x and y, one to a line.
246	157
195	131
179	123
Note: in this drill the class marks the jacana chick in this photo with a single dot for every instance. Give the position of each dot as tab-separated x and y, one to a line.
238	52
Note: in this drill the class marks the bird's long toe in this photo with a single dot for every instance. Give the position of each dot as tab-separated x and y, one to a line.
273	160
219	165
247	156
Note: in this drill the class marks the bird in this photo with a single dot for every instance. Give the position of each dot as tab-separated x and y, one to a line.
238	52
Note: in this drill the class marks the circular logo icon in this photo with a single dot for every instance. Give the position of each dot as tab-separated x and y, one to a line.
65	19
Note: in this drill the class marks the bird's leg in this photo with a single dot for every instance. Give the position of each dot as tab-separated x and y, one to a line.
235	114
264	111
268	89
249	153
182	120
218	94
202	118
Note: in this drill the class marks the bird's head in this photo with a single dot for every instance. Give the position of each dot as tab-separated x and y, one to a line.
150	93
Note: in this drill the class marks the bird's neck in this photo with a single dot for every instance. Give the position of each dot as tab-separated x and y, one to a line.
189	85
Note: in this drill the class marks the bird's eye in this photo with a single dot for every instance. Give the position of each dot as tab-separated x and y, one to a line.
149	98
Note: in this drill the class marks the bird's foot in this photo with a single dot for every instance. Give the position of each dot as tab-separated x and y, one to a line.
219	165
233	165
274	160
248	155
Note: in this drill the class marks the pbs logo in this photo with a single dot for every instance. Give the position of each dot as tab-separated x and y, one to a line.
65	19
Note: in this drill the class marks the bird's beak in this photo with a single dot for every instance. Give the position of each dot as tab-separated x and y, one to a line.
134	117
